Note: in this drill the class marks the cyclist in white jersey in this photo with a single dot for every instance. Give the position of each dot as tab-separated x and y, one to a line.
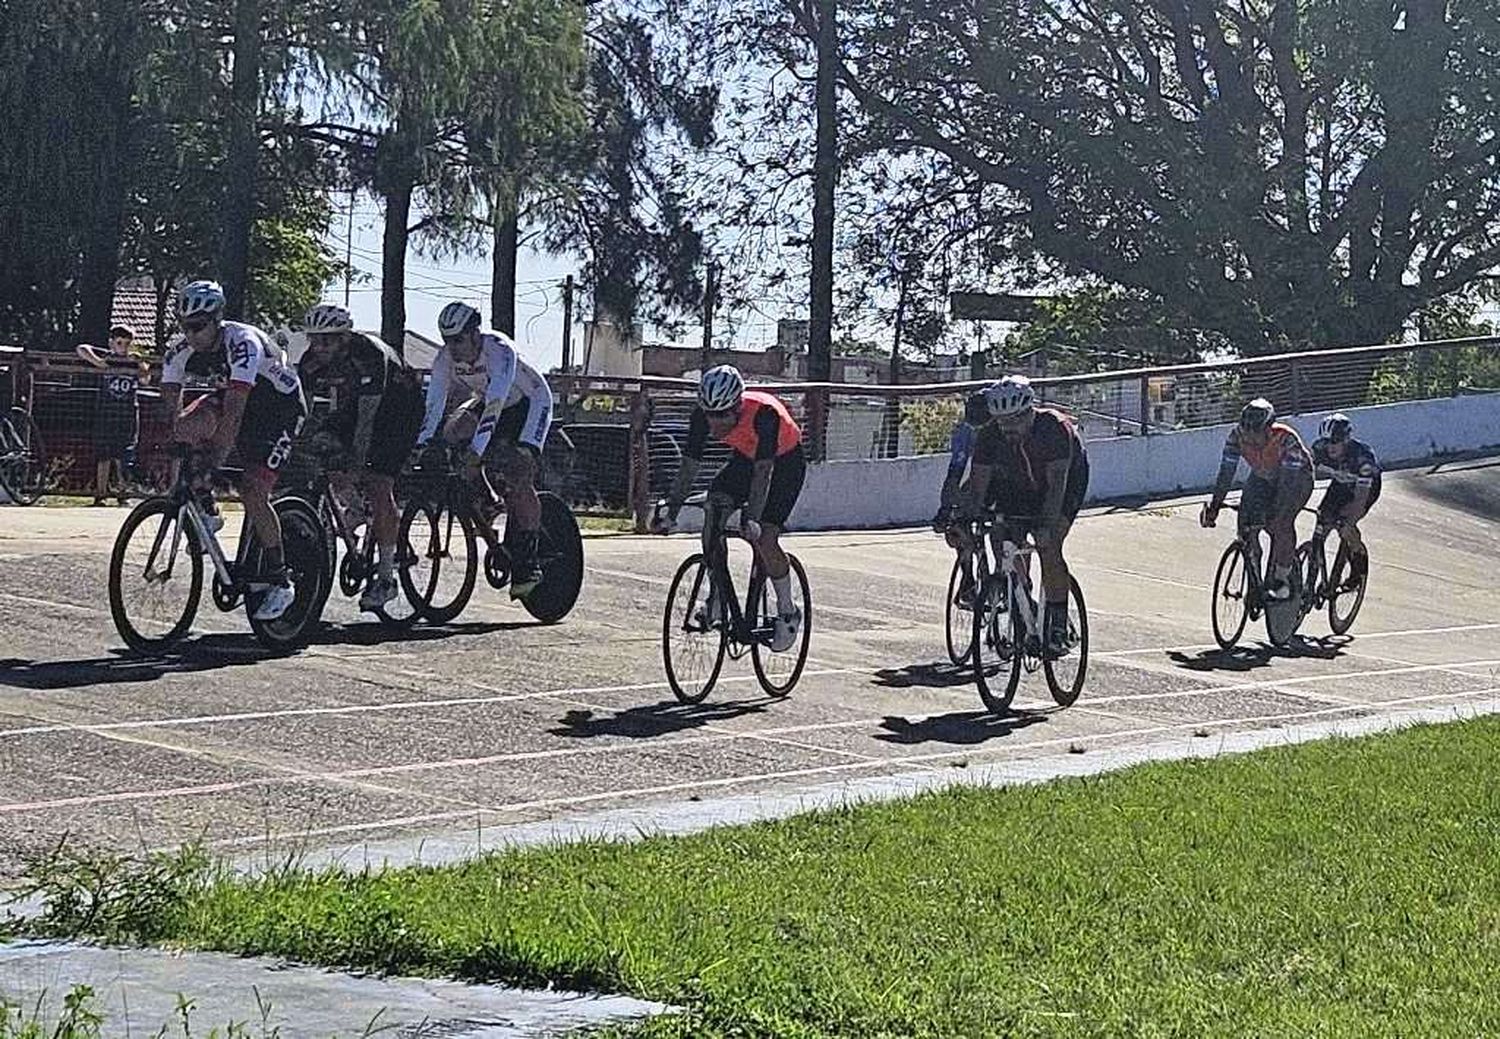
258	409
504	422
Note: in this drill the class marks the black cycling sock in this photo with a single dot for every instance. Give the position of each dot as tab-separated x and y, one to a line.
273	562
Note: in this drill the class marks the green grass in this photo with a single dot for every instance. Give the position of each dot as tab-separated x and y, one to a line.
1339	888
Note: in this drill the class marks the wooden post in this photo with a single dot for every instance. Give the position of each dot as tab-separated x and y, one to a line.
567	343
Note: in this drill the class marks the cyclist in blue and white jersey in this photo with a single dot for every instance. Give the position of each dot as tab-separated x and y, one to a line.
1355	472
504	422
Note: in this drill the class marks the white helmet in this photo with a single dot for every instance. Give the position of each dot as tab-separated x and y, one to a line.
327	317
456	319
1012	395
721	388
200	297
1336	428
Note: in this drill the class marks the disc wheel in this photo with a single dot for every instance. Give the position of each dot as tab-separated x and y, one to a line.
692	652
304	546
559	551
155	577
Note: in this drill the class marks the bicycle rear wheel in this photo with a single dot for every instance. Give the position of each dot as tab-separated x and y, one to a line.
155	576
304	547
1229	609
999	635
560	554
778	672
445	559
23	458
1065	674
1343	606
958	623
692	653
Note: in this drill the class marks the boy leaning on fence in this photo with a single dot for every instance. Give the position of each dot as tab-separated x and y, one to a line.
116	423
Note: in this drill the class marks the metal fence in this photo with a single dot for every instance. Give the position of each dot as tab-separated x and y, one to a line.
616	443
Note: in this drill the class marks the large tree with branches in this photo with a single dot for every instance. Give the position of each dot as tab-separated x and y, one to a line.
1285	173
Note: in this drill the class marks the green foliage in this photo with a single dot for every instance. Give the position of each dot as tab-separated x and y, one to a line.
1098	329
930	423
1284	174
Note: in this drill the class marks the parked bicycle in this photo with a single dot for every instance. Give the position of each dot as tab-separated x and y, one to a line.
1333	585
23	458
156	570
1239	594
1009	630
444	528
704	620
352	530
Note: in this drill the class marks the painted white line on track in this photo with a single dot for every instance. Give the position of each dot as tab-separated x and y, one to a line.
672	788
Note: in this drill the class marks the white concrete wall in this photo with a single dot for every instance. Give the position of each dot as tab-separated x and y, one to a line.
904	491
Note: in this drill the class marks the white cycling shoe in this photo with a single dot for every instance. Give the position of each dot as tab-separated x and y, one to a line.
277	598
785	630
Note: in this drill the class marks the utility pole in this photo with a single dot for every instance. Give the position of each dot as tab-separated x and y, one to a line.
349	249
567	343
710	300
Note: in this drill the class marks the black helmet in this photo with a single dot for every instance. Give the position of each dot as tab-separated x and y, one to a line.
1257	415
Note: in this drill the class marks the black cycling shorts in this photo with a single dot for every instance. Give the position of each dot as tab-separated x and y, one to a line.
1338	496
398	420
1262	500
271	422
733	481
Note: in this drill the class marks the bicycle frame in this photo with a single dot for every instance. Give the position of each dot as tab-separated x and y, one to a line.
722	580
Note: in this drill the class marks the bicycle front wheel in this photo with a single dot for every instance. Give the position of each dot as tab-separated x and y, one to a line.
1065	674
999	635
1229	610
958	622
1343	605
445	559
155	576
692	650
778	672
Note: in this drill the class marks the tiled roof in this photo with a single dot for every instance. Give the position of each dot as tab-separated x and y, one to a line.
136	307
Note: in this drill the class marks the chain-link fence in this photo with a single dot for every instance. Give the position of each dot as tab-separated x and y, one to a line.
616	443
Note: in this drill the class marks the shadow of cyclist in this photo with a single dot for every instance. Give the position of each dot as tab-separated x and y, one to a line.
963	728
940	675
204	653
377	634
1249	658
658	719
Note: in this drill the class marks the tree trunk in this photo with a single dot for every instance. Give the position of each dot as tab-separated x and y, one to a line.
825	176
393	262
507	227
892	421
243	151
101	255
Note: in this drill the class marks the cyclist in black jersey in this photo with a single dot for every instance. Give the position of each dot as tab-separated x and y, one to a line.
374	425
1354	489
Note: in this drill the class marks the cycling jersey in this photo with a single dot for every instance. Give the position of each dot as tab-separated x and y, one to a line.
1358	468
499	375
242	354
764	429
1282	452
370	370
965	431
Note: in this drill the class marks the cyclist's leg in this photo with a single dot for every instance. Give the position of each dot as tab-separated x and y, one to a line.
1254	503
787	477
397	423
1292	491
728	491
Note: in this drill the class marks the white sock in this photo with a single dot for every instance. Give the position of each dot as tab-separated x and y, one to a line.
783	586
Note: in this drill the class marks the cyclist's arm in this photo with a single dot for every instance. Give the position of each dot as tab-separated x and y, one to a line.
960	448
976	491
91	354
364	429
1229	464
1057	488
437	395
692	460
502	368
231	413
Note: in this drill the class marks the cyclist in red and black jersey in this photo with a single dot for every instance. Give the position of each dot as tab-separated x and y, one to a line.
763	475
1030	466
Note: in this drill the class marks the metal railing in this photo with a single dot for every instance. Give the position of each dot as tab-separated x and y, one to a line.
617	441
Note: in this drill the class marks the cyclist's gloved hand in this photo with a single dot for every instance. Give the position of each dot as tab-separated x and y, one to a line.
943	520
751	529
432	455
1209	516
